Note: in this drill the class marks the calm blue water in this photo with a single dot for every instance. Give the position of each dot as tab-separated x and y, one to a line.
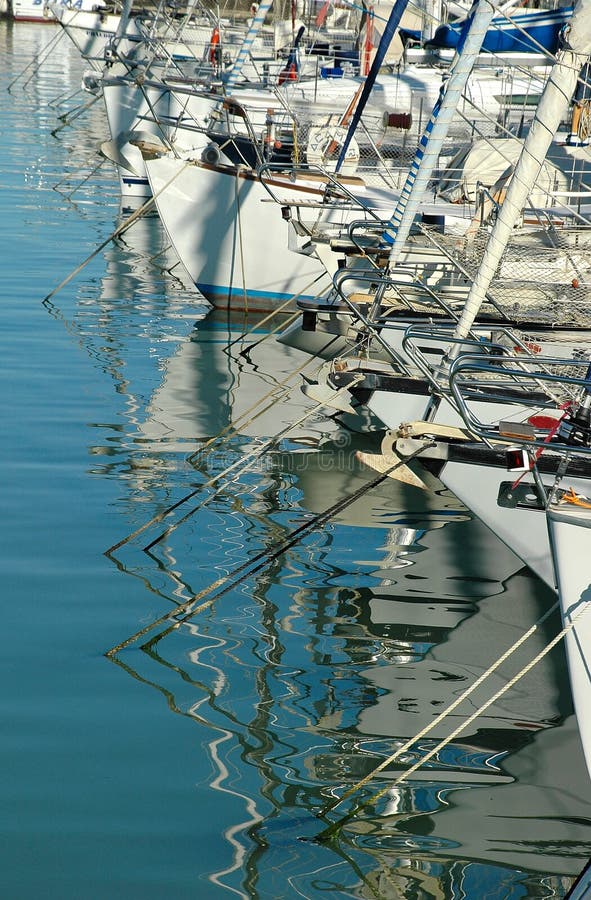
193	762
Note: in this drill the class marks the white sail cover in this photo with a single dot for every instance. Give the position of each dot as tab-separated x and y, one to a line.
487	162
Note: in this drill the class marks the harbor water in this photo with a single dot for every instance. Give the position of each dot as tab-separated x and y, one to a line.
181	713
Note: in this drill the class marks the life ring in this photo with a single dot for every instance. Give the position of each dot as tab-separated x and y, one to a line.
324	149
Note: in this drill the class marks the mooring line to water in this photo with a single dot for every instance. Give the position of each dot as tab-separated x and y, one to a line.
225	434
249	415
137	214
270	316
280	326
261	322
244	460
68	176
243	464
253	565
86	178
331	830
63	98
274	312
68	118
232	427
119	230
162	515
262	559
37	59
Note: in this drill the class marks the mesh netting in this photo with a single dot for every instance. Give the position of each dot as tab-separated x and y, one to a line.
544	275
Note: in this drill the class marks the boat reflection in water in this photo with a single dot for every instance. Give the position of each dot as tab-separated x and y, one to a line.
305	672
305	677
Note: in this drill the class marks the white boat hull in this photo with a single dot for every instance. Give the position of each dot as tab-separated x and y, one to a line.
570	542
92	32
231	237
137	112
523	530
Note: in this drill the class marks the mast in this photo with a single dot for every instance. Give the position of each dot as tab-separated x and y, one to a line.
123	20
421	170
392	24
255	27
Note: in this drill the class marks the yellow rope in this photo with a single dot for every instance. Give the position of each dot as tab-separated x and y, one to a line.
575	499
332	829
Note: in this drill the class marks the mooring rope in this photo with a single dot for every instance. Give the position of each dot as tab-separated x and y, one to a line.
332	829
68	118
281	326
253	565
232	427
127	223
220	439
86	178
37	59
244	464
261	322
68	176
250	415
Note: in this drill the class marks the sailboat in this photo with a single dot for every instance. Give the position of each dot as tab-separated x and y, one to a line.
220	244
546	509
38	10
504	425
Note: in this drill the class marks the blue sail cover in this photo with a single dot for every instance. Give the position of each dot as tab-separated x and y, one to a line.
542	26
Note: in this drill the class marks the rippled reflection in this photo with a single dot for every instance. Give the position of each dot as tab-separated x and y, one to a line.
312	664
303	674
313	670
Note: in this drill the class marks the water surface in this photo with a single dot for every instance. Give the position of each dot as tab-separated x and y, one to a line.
193	762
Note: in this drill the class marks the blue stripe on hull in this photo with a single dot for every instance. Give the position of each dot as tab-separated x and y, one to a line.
237	298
